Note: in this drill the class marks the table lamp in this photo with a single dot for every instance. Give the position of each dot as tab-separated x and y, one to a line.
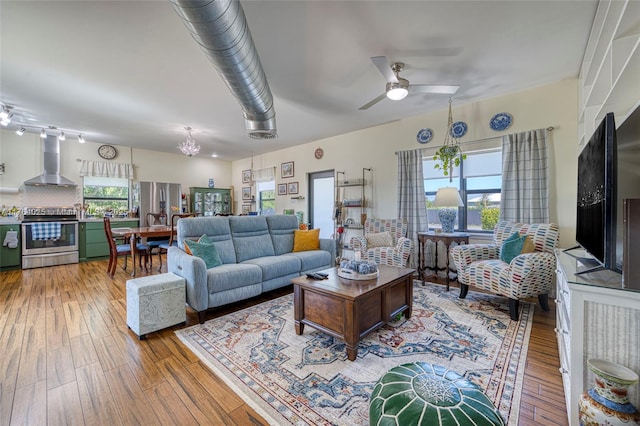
449	199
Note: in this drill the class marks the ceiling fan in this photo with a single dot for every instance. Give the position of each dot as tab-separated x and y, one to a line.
398	88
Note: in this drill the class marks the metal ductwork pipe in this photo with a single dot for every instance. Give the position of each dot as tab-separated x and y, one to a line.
220	28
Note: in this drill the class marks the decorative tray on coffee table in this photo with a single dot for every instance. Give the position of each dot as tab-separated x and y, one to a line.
353	275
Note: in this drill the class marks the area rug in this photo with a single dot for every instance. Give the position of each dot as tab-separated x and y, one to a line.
308	380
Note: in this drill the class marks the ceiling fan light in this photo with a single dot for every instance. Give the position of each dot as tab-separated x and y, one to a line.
397	93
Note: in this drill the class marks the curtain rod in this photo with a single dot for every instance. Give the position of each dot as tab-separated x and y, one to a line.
549	129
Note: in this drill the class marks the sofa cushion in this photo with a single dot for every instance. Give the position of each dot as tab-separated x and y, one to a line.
251	237
306	240
276	266
281	228
312	260
216	228
227	277
204	249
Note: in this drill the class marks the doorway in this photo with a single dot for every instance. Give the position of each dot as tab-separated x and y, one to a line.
321	204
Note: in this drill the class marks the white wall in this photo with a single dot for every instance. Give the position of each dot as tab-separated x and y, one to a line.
541	107
23	159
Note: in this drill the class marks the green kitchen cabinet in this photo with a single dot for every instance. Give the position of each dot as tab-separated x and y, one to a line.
93	240
9	257
211	201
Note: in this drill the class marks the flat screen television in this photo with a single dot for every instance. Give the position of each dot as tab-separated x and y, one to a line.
597	197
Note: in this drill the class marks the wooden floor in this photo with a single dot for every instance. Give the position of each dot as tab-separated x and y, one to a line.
67	357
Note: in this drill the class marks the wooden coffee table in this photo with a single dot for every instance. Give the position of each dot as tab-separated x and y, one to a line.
351	309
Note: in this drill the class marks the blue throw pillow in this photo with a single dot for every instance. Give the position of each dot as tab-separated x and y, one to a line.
204	249
512	247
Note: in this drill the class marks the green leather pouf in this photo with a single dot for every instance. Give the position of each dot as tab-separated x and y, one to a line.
424	394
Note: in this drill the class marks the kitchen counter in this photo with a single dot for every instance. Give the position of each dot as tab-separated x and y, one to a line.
113	219
17	221
9	221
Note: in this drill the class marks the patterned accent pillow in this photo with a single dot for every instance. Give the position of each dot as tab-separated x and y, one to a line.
306	240
380	239
204	249
512	247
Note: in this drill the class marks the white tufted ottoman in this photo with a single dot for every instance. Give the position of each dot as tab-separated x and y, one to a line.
155	302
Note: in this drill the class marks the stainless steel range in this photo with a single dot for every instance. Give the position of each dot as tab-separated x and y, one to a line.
49	236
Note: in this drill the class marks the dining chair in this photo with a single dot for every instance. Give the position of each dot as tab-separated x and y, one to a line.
119	246
154	242
164	247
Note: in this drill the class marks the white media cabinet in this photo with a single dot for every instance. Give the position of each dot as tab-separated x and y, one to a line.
595	318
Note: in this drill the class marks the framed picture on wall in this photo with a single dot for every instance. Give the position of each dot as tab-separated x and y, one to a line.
282	189
246	193
286	170
293	188
246	208
246	176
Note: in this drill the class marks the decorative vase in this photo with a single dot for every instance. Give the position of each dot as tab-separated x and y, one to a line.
447	218
607	402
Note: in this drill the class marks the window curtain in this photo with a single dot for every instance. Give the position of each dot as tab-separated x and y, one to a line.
525	190
412	205
264	175
104	169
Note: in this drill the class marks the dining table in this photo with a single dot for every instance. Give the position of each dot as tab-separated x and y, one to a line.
143	232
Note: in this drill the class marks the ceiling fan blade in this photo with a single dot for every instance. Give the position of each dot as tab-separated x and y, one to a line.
373	102
385	68
433	88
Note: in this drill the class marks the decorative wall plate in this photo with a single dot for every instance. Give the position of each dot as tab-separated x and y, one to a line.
458	129
424	135
319	153
501	121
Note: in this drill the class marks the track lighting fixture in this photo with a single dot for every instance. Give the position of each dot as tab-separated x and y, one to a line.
10	114
4	114
5	121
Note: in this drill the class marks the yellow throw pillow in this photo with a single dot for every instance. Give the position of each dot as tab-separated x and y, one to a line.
306	240
380	239
528	246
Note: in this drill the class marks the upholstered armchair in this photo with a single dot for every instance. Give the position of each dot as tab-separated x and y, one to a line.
526	275
384	242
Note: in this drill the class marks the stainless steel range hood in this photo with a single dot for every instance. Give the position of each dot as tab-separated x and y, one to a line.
51	174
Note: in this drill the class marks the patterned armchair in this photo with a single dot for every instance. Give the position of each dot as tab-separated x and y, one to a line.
529	274
395	254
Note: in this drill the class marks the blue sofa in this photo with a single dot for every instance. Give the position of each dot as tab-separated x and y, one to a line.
256	254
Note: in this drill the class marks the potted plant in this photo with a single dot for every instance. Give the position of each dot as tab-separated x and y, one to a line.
447	157
449	154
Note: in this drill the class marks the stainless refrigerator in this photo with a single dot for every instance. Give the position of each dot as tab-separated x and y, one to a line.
154	197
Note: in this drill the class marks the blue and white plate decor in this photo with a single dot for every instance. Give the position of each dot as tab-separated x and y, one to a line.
424	135
501	121
458	129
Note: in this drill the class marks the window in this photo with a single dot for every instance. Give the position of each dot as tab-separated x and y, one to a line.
479	179
103	194
266	197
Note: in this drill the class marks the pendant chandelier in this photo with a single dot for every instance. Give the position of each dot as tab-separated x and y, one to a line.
188	146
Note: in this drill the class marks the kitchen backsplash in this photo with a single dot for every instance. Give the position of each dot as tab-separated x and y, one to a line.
50	196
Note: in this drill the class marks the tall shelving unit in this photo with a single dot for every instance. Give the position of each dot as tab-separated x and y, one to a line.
608	78
351	207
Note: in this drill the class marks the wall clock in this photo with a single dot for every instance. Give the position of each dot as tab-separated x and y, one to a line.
319	153
107	152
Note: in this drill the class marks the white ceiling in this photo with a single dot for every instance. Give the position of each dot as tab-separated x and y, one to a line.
129	73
